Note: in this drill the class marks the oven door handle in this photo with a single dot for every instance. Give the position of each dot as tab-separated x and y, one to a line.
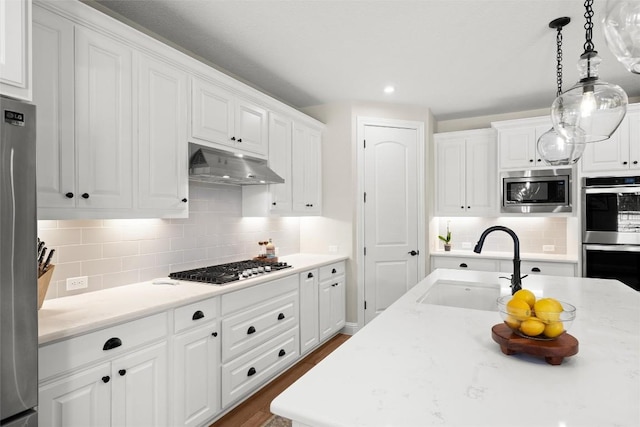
615	190
615	248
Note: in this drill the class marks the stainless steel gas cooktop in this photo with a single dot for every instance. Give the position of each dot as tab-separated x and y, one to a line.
226	273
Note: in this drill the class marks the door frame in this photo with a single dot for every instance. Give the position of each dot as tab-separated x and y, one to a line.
361	122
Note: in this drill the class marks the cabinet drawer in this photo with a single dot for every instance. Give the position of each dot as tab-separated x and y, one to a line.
195	314
258	324
331	270
247	372
244	298
464	263
541	267
69	354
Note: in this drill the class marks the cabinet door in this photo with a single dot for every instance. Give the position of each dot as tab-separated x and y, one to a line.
196	361
15	54
457	263
338	304
450	176
53	95
634	138
162	136
306	169
609	155
309	337
251	127
280	135
212	110
324	310
140	388
103	118
78	400
481	180
517	148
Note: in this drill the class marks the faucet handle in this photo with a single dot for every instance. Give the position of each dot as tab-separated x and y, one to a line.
504	277
523	276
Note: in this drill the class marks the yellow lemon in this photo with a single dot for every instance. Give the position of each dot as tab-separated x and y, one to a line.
527	295
532	327
512	322
518	308
548	309
553	329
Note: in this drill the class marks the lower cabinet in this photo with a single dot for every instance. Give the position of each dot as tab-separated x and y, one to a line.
460	263
503	265
127	391
309	329
332	300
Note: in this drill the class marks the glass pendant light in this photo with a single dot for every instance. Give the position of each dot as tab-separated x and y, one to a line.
621	27
553	148
592	109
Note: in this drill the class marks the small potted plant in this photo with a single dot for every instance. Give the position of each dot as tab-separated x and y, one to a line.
446	239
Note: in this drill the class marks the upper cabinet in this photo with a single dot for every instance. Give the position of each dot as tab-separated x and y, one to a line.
280	137
306	170
517	142
466	181
618	154
15	48
221	117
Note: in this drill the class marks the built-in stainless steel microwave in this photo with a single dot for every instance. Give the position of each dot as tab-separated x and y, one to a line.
535	191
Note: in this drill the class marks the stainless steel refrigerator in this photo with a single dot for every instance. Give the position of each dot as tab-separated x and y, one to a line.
18	268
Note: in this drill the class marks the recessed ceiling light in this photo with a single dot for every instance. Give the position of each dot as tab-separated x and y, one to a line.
389	89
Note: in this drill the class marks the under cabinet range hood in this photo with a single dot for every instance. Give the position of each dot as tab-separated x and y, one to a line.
220	167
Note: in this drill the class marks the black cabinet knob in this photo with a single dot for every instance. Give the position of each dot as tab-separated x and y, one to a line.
539	160
85	195
535	270
280	316
463	265
214	334
233	138
239	139
184	200
530	160
251	330
310	275
461	207
112	343
635	162
69	195
122	372
281	353
274	203
197	315
624	163
251	371
106	379
413	253
333	271
468	207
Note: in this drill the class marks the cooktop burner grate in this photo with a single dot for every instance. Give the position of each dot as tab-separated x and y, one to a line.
226	273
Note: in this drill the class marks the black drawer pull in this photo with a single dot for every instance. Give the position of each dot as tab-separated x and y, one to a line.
69	195
214	334
252	371
310	275
281	353
251	330
122	372
334	271
185	200
197	315
239	139
85	195
106	379
280	316
535	270
112	343
463	265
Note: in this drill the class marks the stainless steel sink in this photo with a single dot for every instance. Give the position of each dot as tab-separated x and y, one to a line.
474	295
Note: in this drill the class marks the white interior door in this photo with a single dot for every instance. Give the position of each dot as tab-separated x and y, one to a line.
390	215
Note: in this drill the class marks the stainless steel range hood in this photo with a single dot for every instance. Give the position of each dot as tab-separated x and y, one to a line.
220	167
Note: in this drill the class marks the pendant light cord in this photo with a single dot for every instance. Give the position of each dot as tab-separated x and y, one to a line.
588	26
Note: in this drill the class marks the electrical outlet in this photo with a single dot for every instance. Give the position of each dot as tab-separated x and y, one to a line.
466	245
548	248
74	283
333	249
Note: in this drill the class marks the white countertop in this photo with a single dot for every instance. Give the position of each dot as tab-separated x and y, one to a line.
430	365
69	316
548	257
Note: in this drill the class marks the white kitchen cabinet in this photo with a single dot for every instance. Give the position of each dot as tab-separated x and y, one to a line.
466	182
331	300
517	142
464	263
221	117
114	376
306	179
620	153
162	137
541	267
280	138
309	321
196	363
15	48
481	263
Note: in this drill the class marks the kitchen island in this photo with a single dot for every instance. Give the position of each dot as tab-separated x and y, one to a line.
420	364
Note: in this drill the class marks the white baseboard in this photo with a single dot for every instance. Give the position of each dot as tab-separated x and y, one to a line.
349	328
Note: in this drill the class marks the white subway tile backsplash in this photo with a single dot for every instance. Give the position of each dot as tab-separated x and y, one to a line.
120	249
101	266
58	236
71	253
101	235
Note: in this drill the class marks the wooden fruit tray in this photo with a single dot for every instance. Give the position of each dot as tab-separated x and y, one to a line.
553	351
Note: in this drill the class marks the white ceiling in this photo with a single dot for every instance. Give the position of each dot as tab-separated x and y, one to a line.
460	58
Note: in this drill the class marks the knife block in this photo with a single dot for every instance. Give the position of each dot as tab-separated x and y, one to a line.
43	284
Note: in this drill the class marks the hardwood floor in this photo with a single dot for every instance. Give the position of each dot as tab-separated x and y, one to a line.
255	410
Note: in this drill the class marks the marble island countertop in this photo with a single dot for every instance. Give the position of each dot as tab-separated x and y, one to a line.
74	315
431	365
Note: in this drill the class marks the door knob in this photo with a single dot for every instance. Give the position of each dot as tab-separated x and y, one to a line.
414	253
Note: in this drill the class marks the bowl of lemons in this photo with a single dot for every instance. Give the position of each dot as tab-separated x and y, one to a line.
536	318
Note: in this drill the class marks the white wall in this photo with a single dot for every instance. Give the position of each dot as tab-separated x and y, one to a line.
119	252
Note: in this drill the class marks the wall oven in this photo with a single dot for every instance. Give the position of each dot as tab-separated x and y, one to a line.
611	228
534	191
